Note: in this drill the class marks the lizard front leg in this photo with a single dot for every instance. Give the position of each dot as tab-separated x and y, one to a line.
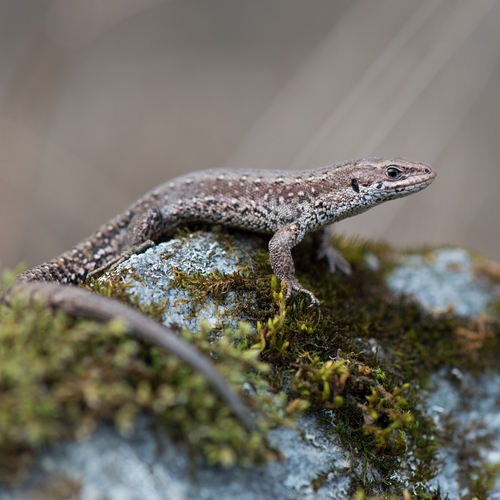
280	255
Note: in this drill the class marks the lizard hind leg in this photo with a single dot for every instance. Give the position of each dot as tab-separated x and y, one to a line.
145	226
333	256
143	231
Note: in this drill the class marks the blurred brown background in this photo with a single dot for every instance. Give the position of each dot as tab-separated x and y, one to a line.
100	100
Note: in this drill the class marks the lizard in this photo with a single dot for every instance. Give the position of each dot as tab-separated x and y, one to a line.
286	204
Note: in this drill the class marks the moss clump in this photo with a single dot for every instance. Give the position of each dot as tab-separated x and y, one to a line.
364	356
60	376
373	413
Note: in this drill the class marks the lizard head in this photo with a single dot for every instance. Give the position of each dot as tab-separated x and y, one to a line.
380	179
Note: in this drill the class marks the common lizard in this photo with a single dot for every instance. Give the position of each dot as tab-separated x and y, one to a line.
286	204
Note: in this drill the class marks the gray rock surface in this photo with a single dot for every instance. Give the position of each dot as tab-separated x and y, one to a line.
474	403
441	280
196	253
148	466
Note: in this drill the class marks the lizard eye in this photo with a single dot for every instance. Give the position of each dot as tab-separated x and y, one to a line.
355	185
393	172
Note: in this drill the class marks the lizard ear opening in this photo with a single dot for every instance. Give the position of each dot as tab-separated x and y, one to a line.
355	185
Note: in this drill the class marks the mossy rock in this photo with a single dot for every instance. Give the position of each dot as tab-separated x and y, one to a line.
362	366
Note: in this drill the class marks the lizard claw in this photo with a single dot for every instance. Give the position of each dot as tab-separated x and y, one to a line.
294	285
314	300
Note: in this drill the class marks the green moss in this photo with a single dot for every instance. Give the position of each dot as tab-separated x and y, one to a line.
59	377
482	478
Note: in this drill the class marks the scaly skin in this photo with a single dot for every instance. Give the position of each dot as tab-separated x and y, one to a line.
286	204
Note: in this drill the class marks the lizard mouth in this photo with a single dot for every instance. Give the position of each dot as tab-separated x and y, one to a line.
414	187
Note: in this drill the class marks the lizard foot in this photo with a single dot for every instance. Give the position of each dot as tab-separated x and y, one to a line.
335	260
334	257
292	284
